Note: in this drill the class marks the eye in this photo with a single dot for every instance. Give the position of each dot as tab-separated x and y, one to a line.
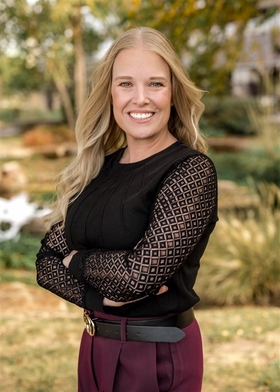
125	84
156	84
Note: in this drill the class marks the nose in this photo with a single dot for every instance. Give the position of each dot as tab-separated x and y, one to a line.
140	96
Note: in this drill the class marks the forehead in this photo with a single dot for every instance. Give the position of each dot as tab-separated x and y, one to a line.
139	61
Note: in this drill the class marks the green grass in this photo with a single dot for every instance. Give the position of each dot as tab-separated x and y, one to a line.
13	275
40	354
241	349
39	348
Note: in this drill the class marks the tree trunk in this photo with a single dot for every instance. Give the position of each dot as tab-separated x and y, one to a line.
65	98
80	78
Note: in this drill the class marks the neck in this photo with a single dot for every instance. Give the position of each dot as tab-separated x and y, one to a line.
139	150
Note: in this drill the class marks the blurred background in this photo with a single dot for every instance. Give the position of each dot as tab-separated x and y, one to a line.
231	49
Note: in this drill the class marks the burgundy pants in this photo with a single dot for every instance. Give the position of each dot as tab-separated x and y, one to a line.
109	365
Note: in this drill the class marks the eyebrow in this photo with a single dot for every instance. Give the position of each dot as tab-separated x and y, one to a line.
130	78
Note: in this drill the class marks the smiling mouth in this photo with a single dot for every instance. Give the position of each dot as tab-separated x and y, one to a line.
141	116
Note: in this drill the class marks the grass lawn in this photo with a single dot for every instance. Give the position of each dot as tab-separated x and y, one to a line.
40	337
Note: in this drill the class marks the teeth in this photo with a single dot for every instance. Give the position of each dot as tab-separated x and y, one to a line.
141	116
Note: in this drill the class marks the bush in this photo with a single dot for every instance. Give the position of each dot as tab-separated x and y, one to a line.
241	264
263	167
8	115
225	115
262	161
20	254
239	166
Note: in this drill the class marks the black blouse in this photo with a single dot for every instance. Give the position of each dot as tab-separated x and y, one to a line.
136	227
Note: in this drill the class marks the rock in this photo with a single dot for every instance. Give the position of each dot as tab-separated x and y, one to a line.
15	213
13	179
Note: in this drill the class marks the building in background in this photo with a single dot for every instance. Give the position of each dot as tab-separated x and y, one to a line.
257	72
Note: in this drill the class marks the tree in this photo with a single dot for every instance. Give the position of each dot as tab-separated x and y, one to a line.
29	46
12	64
207	34
51	36
55	38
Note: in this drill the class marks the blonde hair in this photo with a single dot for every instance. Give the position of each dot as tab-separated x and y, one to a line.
98	134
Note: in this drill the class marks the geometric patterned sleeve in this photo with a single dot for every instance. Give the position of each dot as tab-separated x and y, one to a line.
52	274
182	210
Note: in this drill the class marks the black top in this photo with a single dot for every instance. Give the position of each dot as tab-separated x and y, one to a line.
136	227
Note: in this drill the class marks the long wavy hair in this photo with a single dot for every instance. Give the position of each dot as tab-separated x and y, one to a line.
98	134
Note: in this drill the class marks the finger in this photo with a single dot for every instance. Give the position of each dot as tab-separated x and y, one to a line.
162	290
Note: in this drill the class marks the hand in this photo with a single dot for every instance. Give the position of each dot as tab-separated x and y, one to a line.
66	261
162	290
108	302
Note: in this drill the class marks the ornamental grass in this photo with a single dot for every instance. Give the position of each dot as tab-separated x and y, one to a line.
241	264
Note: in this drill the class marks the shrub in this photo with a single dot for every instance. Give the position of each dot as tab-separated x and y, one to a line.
262	161
225	115
230	165
20	254
254	163
241	264
8	115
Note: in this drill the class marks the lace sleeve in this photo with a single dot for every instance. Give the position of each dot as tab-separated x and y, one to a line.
52	274
181	213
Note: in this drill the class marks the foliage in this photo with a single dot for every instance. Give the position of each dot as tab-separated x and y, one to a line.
226	115
20	253
267	129
50	39
264	164
262	161
241	264
8	115
39	115
16	76
44	44
202	32
230	165
239	166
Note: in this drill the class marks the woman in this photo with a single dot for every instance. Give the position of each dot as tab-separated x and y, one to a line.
134	213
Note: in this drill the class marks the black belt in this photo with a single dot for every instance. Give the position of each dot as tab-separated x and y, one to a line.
166	329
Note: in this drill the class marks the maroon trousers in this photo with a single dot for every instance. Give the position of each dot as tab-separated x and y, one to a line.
109	365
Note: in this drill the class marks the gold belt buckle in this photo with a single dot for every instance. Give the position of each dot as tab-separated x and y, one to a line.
89	323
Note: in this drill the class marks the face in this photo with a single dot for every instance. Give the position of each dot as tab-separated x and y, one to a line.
141	94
